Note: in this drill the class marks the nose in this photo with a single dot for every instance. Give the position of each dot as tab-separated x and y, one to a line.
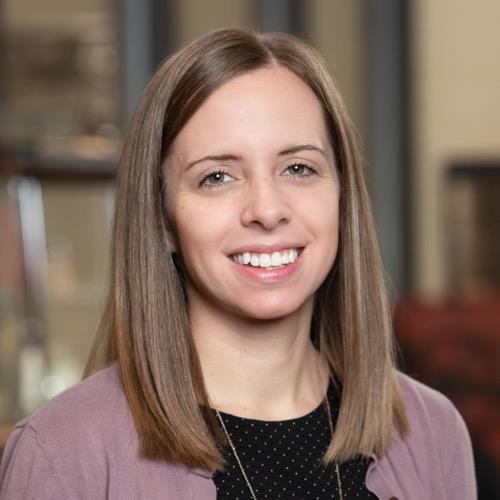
264	204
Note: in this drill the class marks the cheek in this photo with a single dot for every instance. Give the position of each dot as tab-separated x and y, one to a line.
322	214
191	230
201	226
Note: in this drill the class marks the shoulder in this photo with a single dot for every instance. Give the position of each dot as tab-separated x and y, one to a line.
90	407
423	401
435	457
429	410
84	444
69	440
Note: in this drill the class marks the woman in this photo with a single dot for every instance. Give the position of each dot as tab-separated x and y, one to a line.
247	335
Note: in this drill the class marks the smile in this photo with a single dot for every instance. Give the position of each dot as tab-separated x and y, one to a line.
274	260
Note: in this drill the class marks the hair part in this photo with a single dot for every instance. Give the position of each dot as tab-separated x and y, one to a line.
145	326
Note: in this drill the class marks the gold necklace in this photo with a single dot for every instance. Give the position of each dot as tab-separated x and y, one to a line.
233	448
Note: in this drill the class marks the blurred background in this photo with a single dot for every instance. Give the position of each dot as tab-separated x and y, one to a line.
422	82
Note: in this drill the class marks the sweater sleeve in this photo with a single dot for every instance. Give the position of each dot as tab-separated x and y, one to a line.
26	470
461	476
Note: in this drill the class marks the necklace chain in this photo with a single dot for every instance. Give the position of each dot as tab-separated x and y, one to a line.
233	448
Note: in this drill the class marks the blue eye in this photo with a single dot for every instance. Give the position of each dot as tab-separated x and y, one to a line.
300	170
215	179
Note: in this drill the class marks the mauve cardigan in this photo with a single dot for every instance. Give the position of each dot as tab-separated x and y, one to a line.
83	445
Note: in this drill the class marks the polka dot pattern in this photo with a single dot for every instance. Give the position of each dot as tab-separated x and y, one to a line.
282	459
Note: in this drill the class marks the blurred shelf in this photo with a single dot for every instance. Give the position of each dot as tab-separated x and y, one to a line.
60	164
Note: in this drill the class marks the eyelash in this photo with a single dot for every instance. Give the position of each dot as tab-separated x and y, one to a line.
312	171
203	181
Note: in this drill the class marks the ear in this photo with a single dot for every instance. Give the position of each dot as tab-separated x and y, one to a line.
169	227
171	241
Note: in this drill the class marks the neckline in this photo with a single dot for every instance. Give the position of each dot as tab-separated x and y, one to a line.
331	394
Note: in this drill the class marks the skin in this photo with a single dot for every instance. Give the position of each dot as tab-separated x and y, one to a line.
251	334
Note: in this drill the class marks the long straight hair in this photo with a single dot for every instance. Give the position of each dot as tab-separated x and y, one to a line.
145	326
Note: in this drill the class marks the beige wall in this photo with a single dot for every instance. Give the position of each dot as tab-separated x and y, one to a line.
32	13
195	18
457	114
337	30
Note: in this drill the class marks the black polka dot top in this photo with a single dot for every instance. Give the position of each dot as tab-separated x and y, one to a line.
282	459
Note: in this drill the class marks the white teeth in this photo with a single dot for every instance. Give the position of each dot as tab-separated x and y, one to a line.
276	259
266	260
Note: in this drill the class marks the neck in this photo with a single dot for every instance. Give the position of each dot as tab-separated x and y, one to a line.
267	370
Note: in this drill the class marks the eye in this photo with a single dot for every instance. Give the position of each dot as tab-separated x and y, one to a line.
299	170
215	179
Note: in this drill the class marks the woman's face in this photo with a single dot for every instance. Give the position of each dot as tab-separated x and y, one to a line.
253	195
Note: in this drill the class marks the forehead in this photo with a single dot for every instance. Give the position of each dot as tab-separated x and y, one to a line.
268	107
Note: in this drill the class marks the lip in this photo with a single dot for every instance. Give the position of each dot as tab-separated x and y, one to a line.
267	248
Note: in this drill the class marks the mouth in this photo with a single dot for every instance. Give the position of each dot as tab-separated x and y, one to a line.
268	261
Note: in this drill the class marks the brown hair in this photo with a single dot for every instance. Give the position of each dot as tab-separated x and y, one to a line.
145	327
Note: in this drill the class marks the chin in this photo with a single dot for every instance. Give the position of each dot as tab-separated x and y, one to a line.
269	312
267	316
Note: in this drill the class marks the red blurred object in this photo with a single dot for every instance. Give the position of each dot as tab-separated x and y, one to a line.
455	348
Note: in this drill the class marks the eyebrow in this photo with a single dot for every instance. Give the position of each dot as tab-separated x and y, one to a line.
287	151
